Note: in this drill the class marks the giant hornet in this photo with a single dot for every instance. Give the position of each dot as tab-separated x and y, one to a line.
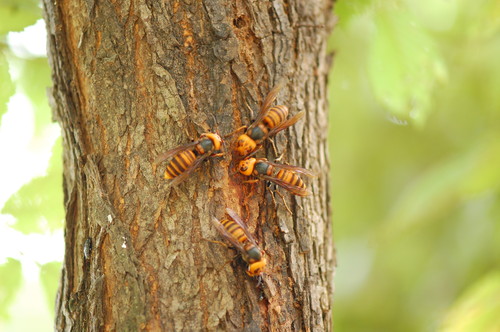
235	231
269	122
287	176
186	158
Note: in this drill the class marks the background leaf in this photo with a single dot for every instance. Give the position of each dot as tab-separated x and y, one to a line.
38	204
415	146
7	88
10	283
18	14
403	65
446	185
49	277
34	80
477	309
345	10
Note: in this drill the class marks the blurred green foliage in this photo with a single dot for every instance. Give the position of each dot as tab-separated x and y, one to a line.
34	80
10	283
6	85
477	309
50	274
18	14
415	140
37	206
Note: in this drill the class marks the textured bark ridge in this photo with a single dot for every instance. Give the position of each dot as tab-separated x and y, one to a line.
135	78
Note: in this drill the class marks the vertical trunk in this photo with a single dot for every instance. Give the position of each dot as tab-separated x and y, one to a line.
135	78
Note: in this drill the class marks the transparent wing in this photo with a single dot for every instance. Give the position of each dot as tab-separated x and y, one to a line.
173	152
222	230
285	124
242	224
268	101
299	191
292	168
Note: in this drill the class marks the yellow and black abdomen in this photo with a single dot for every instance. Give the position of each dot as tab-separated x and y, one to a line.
275	116
291	178
251	253
179	164
235	230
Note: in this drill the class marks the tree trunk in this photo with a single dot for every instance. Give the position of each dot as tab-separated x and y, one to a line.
135	78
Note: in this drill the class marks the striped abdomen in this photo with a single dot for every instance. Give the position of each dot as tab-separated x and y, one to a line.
275	116
235	230
252	253
291	178
179	164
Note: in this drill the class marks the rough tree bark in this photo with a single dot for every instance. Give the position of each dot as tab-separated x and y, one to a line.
135	78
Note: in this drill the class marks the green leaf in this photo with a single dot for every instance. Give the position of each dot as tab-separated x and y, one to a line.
49	277
18	14
34	80
7	87
435	15
477	309
447	185
346	10
39	200
404	66
436	191
10	283
485	175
